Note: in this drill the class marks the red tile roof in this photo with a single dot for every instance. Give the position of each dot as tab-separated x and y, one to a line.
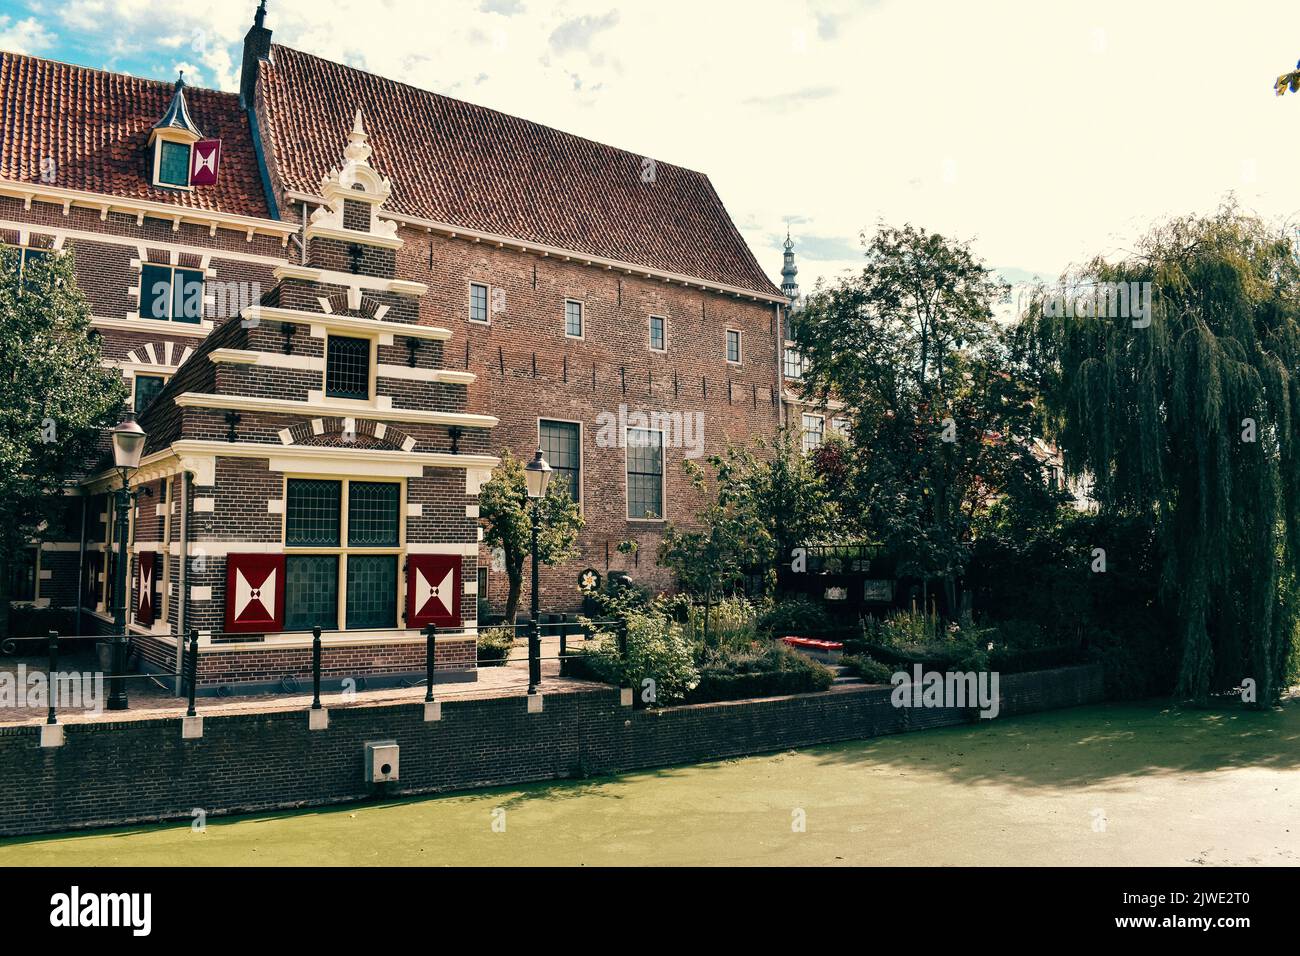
469	166
95	126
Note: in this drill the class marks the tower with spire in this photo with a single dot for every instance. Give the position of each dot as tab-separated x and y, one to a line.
789	274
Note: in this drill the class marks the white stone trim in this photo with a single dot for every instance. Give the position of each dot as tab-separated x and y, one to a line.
246	403
406	373
321	323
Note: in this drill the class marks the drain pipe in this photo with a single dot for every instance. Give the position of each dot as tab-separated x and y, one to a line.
182	589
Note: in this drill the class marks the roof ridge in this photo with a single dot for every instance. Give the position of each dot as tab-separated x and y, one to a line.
115	73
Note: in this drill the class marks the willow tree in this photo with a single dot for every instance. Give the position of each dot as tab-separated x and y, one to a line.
1188	415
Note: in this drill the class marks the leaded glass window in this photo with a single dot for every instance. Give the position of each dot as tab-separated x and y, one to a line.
372	591
311	592
645	473
312	514
373	514
347	368
147	388
561	444
174	164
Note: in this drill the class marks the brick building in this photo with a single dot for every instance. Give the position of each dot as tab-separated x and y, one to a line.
382	290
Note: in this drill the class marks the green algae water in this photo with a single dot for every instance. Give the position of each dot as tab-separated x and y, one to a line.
1096	786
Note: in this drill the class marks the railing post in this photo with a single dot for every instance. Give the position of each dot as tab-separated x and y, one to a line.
51	684
192	668
315	667
534	656
564	647
430	645
622	640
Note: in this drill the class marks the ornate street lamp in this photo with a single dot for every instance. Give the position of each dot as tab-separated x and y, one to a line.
537	476
128	444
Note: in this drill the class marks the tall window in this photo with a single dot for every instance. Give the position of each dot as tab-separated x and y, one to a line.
347	367
572	319
733	346
657	342
147	388
645	473
793	363
814	426
344	533
561	443
174	164
840	427
478	300
169	293
27	255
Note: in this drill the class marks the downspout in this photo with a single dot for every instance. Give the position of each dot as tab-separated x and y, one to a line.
81	562
780	367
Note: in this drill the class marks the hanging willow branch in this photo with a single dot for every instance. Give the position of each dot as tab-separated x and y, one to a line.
1191	423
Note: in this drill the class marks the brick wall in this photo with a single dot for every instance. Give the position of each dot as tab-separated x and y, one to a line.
135	771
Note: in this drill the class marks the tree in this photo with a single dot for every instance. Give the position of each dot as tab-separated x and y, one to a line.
56	397
1189	418
507	515
759	508
940	425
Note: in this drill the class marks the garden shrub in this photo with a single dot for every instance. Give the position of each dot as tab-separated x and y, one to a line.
758	671
794	616
732	623
867	668
495	645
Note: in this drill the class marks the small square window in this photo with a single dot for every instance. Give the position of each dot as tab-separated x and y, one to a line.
657	333
347	368
147	388
373	514
478	302
733	346
311	513
174	164
573	319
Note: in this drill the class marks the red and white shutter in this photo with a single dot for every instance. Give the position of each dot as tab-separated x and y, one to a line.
146	564
205	162
433	590
254	593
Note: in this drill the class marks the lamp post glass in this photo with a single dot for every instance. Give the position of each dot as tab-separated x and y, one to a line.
128	444
537	475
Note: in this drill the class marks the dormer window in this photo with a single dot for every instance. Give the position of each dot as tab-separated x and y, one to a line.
172	140
173	164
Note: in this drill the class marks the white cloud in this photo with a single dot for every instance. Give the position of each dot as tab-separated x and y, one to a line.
24	36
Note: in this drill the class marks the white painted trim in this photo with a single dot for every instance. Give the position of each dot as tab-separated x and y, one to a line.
406	373
101	201
341	323
246	403
304	363
464	550
350	280
142	326
317	231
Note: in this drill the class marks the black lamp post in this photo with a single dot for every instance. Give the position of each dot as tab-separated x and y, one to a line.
128	444
537	475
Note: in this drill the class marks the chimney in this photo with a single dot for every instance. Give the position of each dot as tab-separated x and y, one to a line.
257	46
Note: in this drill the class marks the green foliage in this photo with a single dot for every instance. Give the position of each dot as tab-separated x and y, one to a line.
495	645
1191	424
506	513
730	622
761	505
55	395
759	670
940	419
868	668
794	616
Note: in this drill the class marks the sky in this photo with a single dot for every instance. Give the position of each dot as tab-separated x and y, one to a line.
1044	133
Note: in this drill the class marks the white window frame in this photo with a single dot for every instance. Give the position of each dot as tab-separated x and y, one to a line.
740	346
663	477
180	139
172	269
805	431
650	336
582	318
487	303
135	384
325	396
